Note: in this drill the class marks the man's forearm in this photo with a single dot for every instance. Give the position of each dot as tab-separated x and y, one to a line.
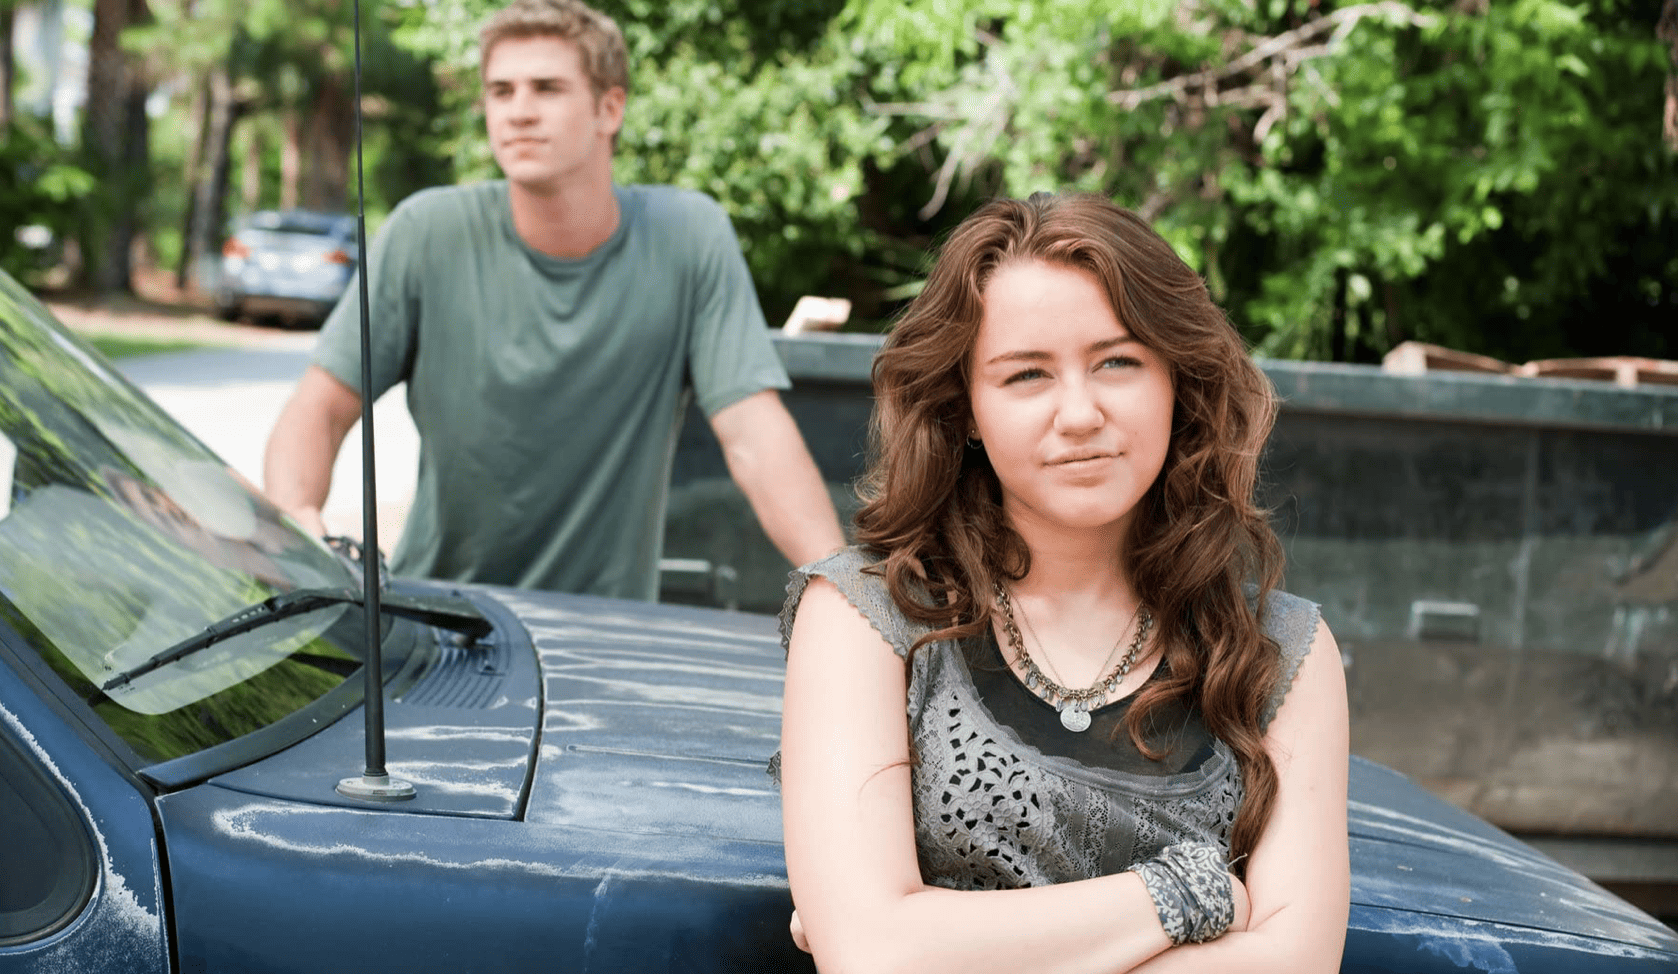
294	476
769	462
297	462
793	506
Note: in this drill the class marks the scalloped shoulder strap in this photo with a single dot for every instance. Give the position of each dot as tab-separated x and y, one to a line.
866	592
1292	622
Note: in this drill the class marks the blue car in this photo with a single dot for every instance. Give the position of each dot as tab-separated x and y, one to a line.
590	774
293	264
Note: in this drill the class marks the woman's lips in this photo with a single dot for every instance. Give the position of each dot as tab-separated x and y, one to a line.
1080	460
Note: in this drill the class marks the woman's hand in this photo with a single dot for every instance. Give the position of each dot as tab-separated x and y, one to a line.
798	932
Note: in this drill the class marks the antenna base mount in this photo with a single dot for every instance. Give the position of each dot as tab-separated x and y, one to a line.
376	788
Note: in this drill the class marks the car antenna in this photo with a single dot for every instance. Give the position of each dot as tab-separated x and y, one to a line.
373	784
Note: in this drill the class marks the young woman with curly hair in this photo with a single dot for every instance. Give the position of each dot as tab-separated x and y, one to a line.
1123	749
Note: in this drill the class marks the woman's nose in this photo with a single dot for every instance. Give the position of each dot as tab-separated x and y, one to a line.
1077	411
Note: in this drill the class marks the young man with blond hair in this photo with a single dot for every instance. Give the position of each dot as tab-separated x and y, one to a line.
550	327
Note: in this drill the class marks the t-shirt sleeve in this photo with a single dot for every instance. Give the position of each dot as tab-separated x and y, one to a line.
730	355
393	309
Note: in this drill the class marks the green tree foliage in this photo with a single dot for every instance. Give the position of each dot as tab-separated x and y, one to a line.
1488	176
41	185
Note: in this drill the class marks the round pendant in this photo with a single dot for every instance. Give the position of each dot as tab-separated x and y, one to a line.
1075	720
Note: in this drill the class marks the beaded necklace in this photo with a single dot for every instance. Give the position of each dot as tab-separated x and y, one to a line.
1074	705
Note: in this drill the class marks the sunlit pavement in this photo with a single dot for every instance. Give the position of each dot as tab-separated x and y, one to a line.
230	397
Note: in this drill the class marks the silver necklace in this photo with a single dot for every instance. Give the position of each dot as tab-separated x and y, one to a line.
1074	705
1049	664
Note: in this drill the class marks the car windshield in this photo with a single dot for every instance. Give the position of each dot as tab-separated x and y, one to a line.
121	535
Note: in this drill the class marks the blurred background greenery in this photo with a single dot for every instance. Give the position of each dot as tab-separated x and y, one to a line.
1493	175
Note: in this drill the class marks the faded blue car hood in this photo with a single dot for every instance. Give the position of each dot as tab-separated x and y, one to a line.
627	716
1414	853
659	720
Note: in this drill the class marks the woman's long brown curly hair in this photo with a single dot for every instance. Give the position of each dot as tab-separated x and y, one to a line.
1197	542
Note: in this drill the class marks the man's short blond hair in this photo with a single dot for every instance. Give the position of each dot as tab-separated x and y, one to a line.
599	42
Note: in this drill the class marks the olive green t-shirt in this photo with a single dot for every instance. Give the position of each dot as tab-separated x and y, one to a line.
548	393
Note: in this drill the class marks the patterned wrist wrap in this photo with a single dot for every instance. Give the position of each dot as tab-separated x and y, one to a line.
1191	890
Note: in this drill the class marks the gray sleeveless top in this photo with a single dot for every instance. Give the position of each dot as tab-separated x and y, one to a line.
994	812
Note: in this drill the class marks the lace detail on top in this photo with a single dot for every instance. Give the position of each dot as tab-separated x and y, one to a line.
1292	622
991	811
845	569
869	594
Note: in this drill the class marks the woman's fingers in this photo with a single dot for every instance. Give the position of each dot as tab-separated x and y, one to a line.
798	933
1238	891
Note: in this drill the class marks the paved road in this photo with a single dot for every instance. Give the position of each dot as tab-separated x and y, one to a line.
230	397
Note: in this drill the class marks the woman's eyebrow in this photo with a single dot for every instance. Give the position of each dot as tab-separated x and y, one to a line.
1033	355
1114	342
1021	355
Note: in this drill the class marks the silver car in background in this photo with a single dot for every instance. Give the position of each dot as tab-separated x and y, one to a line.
293	264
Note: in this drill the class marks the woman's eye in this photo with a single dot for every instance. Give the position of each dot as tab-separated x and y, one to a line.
1121	362
1024	376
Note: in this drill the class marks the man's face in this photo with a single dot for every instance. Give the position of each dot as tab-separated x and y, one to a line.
546	128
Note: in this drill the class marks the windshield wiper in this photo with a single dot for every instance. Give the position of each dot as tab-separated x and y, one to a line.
444	612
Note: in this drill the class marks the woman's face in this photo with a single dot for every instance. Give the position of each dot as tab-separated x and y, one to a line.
1074	413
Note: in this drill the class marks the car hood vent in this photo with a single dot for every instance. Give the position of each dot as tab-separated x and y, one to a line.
468	677
464	734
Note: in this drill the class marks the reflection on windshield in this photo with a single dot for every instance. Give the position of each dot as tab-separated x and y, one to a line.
257	702
121	535
8	460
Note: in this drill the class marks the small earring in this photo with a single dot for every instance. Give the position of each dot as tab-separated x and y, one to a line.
973	440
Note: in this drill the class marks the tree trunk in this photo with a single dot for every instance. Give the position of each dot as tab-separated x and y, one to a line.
8	65
210	195
1337	322
1667	30
114	140
1395	329
291	160
328	141
199	114
250	179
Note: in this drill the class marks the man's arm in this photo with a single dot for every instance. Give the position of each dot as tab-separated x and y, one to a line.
297	463
768	460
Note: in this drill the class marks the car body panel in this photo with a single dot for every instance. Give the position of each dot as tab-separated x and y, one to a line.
1409	850
1383	941
381	891
122	925
659	718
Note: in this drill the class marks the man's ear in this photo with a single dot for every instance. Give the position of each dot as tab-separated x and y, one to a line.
610	106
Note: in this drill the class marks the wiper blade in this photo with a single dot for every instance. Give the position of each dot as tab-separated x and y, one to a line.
445	612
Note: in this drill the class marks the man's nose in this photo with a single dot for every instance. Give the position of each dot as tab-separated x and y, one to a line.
521	105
